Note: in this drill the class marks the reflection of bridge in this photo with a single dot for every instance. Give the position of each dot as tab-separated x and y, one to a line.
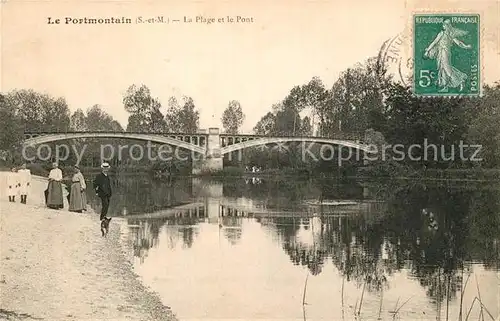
228	208
210	205
212	144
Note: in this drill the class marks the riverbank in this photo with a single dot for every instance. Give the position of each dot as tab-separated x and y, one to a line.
55	265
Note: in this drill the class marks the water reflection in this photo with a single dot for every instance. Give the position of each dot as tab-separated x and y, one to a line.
243	251
140	194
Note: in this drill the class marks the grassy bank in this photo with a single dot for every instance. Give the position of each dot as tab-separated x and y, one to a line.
380	171
376	172
393	171
233	172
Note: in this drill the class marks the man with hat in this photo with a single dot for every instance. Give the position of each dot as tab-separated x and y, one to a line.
102	187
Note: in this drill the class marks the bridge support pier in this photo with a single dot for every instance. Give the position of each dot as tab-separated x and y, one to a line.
212	160
212	192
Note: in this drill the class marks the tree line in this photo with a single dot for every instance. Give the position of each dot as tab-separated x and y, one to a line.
364	100
26	110
368	101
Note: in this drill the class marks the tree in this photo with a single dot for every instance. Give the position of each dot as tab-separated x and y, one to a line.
265	126
287	122
189	117
116	126
438	121
156	121
27	110
296	99
98	119
134	123
172	116
306	127
232	117
56	115
78	121
355	101
95	119
311	95
11	129
40	112
484	129
27	105
145	114
137	100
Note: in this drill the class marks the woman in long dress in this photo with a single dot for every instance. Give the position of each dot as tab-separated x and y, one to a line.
12	184
440	50
77	201
54	188
83	188
25	182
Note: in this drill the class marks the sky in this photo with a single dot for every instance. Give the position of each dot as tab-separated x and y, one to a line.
256	63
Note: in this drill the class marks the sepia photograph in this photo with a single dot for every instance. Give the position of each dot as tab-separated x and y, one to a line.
250	160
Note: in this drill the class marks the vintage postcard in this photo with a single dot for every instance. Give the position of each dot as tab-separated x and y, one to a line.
250	160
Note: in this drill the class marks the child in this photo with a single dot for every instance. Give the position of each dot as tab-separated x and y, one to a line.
13	184
24	182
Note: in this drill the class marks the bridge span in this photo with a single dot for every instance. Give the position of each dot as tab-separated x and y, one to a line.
211	145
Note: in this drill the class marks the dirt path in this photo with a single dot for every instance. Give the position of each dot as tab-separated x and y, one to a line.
56	266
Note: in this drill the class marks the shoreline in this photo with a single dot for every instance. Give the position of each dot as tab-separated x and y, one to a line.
55	265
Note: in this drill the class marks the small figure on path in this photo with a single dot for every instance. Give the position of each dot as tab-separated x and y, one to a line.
102	187
54	188
25	182
77	192
12	184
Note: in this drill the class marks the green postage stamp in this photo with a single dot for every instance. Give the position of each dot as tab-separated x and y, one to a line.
446	52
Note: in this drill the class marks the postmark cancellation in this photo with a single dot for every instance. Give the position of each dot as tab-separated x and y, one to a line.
446	54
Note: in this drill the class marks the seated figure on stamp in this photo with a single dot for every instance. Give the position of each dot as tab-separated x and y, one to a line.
440	50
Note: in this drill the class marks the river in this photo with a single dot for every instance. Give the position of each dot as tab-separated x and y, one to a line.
256	249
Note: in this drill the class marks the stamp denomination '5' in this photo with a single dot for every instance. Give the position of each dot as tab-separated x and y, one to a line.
446	55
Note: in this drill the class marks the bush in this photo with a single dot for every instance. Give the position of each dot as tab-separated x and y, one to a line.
39	169
386	169
229	171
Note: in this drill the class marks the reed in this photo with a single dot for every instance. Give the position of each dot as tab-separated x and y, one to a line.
342	297
476	299
380	306
462	295
448	284
304	298
361	300
396	309
304	291
481	313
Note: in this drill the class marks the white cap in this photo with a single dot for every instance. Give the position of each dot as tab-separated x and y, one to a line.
105	165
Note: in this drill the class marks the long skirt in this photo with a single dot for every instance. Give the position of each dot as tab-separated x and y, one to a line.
84	200
55	195
76	198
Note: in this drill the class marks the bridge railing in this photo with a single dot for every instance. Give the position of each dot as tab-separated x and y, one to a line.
226	138
236	138
195	138
44	132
